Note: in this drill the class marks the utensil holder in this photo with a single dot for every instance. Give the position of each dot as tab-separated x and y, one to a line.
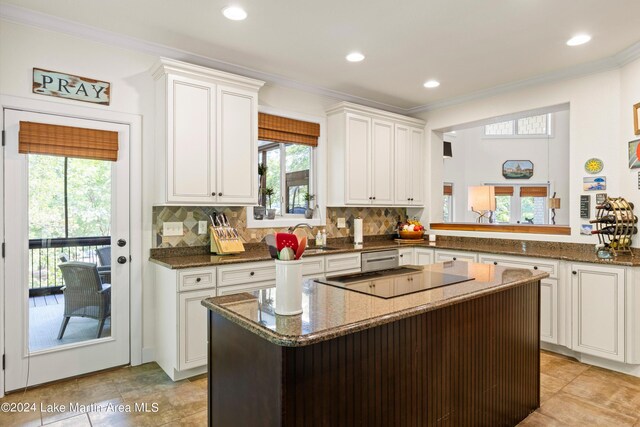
288	287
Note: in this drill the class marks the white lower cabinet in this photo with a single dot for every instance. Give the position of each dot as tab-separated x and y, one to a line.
423	256
406	256
342	264
598	310
192	336
549	310
181	319
446	255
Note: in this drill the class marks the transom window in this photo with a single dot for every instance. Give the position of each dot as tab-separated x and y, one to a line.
539	125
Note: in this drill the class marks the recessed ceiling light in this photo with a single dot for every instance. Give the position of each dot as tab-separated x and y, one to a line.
355	57
235	13
431	84
578	40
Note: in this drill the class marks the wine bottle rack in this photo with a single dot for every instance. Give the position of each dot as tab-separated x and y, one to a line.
615	234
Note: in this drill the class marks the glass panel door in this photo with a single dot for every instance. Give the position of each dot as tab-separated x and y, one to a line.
66	219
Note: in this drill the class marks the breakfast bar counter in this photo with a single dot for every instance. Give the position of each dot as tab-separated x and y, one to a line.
460	354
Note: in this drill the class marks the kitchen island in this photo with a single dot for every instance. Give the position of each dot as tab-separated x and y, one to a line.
462	354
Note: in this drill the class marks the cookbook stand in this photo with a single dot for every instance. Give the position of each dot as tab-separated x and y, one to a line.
623	222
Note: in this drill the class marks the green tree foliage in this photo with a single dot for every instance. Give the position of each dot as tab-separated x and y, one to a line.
88	197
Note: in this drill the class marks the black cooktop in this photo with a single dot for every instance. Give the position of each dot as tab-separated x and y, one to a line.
395	282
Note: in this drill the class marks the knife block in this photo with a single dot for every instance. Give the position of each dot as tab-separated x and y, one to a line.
223	245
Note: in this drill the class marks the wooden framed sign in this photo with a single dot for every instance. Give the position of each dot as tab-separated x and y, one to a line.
62	85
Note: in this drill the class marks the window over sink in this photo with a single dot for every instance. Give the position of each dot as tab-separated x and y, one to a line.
289	168
290	162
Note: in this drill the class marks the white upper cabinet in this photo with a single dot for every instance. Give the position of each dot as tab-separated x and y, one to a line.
357	186
409	165
375	157
237	150
382	163
207	128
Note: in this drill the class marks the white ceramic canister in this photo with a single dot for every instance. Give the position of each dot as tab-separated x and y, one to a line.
288	287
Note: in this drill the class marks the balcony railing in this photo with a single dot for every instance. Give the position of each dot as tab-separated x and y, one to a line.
44	257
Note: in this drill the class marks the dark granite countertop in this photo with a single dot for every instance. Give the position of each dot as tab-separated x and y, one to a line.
330	312
199	257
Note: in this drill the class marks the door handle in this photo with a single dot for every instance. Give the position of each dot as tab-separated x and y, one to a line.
122	243
122	260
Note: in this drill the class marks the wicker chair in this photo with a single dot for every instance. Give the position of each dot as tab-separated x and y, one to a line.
104	269
84	294
104	256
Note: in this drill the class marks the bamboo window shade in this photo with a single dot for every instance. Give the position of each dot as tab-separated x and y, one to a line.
447	190
533	191
504	190
284	129
67	141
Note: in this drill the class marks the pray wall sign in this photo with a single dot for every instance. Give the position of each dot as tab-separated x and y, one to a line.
62	85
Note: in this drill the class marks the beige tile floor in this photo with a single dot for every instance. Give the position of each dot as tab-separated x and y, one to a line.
572	394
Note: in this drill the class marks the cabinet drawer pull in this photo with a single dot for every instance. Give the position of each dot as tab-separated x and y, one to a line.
495	262
535	267
253	273
198	280
454	258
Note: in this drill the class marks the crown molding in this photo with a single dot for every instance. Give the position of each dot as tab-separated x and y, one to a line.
48	22
32	18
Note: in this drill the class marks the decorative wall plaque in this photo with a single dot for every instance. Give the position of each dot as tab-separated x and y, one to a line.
585	206
62	85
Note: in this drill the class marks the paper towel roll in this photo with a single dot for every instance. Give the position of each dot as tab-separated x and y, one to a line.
357	231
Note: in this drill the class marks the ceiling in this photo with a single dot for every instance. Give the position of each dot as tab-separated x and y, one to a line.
470	46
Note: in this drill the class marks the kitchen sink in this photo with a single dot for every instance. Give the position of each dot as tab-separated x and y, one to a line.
315	250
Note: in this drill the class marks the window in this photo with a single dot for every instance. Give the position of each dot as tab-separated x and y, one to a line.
447	202
521	204
288	174
69	197
532	126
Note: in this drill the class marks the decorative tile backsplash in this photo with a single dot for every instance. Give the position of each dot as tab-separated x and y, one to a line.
376	221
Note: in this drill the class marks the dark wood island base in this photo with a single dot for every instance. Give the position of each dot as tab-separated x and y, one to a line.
469	363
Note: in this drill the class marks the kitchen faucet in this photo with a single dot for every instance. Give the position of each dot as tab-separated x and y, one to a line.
302	224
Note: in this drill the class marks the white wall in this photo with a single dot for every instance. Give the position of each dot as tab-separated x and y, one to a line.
478	160
24	47
594	131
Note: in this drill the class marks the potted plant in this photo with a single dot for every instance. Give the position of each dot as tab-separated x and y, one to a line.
308	212
260	210
268	192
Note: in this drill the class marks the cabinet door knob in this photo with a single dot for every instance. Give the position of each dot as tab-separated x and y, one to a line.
574	272
219	194
213	194
495	262
122	243
252	273
454	258
535	267
374	197
409	199
198	279
122	260
401	255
